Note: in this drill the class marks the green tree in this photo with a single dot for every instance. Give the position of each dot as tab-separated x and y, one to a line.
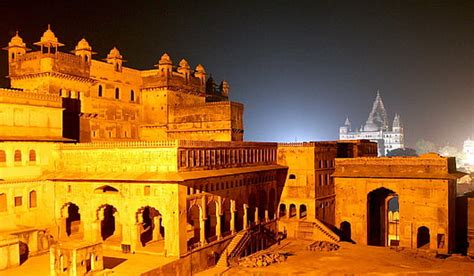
402	152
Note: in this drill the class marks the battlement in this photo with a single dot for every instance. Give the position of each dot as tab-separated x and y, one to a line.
309	144
29	97
403	167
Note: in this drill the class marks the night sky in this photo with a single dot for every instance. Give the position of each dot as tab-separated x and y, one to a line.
298	66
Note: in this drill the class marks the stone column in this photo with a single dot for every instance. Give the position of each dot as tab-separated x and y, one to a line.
267	217
218	218
202	229
246	226
232	216
156	230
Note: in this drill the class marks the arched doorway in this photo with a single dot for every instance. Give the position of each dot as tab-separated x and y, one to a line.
423	237
211	221
73	220
239	216
346	231
251	209
303	211
377	216
282	210
262	204
107	224
194	214
225	218
292	210
151	228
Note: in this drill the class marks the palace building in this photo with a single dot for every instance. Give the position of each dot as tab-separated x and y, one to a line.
377	129
97	157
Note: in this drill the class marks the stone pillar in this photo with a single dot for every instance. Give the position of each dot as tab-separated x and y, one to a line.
267	217
156	230
202	226
218	218
246	226
232	216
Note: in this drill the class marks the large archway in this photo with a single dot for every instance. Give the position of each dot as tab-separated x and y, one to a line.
151	227
377	216
346	231
211	221
107	224
226	217
251	209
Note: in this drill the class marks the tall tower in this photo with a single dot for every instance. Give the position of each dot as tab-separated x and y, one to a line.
378	118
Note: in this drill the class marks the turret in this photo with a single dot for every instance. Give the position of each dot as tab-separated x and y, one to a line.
114	57
396	126
200	73
49	42
184	69
84	50
346	128
224	88
16	47
165	65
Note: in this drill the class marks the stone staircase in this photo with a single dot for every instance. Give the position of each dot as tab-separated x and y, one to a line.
315	230
238	241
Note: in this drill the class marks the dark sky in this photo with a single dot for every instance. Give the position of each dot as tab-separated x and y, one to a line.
298	66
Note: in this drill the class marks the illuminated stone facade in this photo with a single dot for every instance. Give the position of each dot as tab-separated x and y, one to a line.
376	129
425	187
105	100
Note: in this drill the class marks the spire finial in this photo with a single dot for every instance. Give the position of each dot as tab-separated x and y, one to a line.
49	27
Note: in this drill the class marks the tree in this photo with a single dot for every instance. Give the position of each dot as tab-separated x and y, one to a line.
424	146
402	152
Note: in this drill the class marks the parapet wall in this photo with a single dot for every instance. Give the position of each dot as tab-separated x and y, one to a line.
396	167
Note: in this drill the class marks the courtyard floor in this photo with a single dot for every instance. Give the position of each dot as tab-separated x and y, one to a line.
352	259
115	262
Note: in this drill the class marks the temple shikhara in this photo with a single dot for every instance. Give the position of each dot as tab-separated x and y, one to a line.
377	129
98	159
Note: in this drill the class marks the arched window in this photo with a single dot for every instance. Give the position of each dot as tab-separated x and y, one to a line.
3	157
292	176
86	58
99	92
132	95
13	56
32	156
117	93
17	156
33	199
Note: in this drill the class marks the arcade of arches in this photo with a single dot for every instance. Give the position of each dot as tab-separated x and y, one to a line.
171	219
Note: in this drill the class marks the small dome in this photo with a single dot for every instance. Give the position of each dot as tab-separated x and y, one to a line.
184	64
17	41
200	69
49	36
165	60
114	53
83	45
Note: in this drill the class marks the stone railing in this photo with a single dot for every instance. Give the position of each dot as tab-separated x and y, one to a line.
29	95
120	144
